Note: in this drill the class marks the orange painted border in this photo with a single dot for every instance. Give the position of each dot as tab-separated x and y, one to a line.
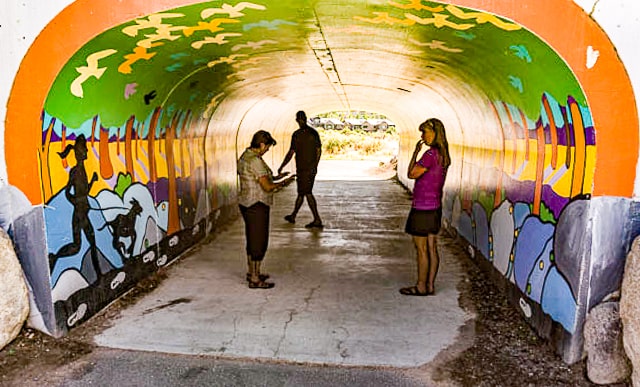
606	85
77	24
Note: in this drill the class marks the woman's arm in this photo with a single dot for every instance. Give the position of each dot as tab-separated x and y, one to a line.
416	170
268	185
281	176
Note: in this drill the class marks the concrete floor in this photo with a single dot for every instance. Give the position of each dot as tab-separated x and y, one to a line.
336	298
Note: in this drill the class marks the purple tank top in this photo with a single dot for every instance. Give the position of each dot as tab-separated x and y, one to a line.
427	191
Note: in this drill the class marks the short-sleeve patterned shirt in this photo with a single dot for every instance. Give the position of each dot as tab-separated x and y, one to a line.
251	168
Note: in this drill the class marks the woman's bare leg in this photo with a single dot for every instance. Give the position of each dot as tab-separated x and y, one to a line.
422	262
434	261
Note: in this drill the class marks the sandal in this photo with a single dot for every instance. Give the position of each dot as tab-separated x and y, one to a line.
261	285
413	291
262	277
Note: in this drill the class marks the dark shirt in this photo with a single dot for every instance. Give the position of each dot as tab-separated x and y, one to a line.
306	143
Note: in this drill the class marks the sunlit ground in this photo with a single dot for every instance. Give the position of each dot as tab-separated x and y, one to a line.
357	156
355	170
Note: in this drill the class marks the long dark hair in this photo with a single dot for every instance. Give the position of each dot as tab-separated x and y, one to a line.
440	141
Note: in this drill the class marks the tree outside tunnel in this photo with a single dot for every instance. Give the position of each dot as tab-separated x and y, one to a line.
357	135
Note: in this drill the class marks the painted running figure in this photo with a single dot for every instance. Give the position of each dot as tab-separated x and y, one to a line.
77	192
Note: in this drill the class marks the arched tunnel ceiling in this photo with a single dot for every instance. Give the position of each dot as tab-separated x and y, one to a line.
248	65
399	58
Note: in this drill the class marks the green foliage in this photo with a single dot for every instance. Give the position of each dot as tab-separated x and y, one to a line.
486	200
342	115
391	131
181	78
546	215
349	143
124	181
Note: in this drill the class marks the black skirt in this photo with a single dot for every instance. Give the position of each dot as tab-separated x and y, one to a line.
423	222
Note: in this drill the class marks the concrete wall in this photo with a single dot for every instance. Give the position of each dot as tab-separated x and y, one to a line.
543	134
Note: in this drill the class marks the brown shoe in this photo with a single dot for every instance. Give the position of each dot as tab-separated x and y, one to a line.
261	276
261	285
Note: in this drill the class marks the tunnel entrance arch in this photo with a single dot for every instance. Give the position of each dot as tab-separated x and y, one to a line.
526	155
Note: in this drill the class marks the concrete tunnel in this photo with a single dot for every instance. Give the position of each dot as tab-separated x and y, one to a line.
539	109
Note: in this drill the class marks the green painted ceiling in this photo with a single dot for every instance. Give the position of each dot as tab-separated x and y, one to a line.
397	58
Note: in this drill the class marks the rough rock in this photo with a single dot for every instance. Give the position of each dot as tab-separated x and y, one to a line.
630	309
607	362
14	296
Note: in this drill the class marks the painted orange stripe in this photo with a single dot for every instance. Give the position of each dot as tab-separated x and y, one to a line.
497	199
106	167
128	154
173	225
553	130
537	192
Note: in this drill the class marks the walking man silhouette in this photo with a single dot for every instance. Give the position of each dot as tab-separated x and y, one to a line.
306	145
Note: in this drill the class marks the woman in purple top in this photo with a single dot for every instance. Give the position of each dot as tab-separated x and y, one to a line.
424	219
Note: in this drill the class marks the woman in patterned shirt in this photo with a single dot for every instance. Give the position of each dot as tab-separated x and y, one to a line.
255	199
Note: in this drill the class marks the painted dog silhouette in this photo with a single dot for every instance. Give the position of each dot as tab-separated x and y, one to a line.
124	226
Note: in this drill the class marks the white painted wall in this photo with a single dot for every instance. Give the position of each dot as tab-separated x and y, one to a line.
620	19
21	22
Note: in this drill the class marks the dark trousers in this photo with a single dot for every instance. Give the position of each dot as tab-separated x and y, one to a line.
256	228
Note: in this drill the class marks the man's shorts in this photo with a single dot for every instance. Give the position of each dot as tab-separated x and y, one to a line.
305	180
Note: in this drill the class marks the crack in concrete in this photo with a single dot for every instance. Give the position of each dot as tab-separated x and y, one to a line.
227	343
284	332
343	352
293	313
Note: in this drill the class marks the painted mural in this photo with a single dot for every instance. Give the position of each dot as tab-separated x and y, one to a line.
519	219
516	206
127	186
131	178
